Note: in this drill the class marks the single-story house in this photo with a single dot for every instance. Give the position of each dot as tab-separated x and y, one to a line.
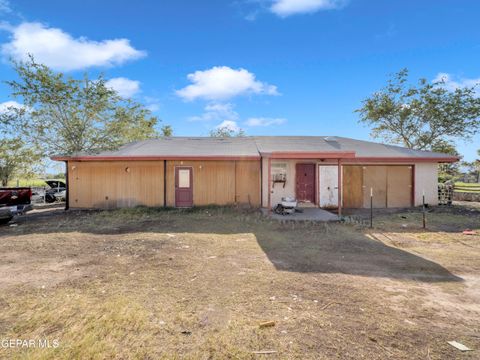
327	172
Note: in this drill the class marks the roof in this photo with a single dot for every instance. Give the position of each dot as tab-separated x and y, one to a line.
254	147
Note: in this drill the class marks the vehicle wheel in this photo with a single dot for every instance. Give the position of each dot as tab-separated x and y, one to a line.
5	220
278	209
49	198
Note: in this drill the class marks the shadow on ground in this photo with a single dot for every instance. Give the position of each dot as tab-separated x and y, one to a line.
304	248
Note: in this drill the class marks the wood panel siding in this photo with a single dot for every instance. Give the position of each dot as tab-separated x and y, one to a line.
353	187
113	184
247	182
399	186
219	182
392	186
375	177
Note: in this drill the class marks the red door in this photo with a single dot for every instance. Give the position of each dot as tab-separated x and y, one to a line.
306	182
183	187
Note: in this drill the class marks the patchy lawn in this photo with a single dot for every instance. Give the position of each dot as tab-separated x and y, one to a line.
152	284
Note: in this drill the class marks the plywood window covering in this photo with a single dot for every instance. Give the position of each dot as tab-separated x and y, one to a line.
184	178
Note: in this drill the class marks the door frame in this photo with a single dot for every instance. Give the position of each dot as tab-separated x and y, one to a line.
315	188
178	167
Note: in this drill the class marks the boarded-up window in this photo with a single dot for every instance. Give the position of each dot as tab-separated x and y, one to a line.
184	178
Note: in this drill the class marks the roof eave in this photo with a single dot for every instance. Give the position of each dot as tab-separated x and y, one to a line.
309	155
154	158
403	159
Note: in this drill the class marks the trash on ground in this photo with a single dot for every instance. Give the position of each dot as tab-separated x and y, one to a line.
267	324
459	346
468	232
264	352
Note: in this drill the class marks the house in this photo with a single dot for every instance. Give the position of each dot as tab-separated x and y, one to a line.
328	172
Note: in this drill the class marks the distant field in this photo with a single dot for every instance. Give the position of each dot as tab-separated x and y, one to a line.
27	182
467	187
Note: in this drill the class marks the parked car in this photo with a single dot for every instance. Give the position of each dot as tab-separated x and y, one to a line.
57	191
14	201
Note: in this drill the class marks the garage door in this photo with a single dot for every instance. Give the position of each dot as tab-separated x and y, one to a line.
391	185
352	188
375	178
399	186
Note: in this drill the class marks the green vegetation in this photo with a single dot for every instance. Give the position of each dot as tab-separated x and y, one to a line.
61	115
67	115
425	116
27	183
153	284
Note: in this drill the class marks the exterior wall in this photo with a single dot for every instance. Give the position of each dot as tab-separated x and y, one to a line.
397	176
219	182
112	184
277	191
105	185
426	179
108	184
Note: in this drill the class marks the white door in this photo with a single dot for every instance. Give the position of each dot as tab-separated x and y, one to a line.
328	186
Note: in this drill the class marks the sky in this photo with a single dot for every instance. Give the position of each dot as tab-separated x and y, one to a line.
269	67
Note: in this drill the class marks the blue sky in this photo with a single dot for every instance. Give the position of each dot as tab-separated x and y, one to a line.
271	67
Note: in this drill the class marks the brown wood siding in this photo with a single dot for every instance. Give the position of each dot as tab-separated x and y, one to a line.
375	177
219	182
399	186
353	187
247	182
392	186
108	184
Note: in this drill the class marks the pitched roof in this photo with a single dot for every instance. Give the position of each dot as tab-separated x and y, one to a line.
271	144
256	146
188	147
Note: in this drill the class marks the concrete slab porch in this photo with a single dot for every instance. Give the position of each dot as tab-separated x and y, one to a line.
307	214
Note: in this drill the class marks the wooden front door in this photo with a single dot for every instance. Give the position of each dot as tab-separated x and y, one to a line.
305	188
183	187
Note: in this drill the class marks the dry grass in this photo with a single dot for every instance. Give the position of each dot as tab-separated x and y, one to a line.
153	284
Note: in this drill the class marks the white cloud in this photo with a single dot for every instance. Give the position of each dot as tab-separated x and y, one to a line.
228	125
5	7
262	121
284	8
124	87
451	83
216	112
59	50
152	103
223	82
6	106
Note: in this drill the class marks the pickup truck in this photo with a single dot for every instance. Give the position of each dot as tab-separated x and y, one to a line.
14	201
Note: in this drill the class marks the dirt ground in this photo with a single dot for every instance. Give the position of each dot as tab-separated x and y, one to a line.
197	284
